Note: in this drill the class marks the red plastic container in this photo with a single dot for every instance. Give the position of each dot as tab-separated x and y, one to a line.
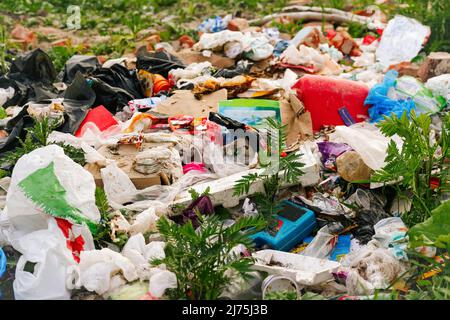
324	96
102	118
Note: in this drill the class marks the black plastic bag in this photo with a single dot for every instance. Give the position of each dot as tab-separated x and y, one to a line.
79	63
33	67
78	99
159	62
115	86
21	92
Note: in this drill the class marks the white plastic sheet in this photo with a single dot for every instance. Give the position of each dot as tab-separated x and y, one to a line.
401	41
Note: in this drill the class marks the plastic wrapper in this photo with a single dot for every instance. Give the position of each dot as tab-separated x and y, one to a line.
391	234
322	244
330	151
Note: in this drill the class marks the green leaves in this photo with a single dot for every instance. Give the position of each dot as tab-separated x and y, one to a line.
242	186
421	159
435	231
202	259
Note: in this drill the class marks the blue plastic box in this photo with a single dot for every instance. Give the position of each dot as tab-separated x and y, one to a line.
297	223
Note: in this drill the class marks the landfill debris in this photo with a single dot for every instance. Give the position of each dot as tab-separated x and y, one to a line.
268	134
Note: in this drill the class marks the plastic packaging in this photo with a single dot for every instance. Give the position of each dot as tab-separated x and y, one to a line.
215	24
324	96
101	117
391	233
322	244
409	87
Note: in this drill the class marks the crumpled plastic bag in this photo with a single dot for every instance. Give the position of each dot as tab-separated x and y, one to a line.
91	155
97	268
120	190
322	244
162	281
191	71
141	254
401	41
158	62
381	104
211	41
370	268
257	47
215	24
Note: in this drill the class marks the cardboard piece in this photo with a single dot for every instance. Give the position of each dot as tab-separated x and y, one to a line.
183	102
299	122
124	157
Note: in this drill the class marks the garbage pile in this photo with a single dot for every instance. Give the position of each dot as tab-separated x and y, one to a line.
129	179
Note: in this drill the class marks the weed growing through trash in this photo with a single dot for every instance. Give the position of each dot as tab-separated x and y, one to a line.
422	158
289	170
428	278
203	259
35	138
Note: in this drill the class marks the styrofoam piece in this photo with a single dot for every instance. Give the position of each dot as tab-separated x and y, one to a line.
304	270
221	190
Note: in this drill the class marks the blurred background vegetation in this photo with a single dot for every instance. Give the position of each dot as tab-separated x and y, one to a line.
122	20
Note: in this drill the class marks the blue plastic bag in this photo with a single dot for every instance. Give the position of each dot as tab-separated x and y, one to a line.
381	104
2	263
215	24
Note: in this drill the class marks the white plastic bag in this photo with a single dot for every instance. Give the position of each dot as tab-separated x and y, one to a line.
162	281
29	213
48	250
97	268
401	41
